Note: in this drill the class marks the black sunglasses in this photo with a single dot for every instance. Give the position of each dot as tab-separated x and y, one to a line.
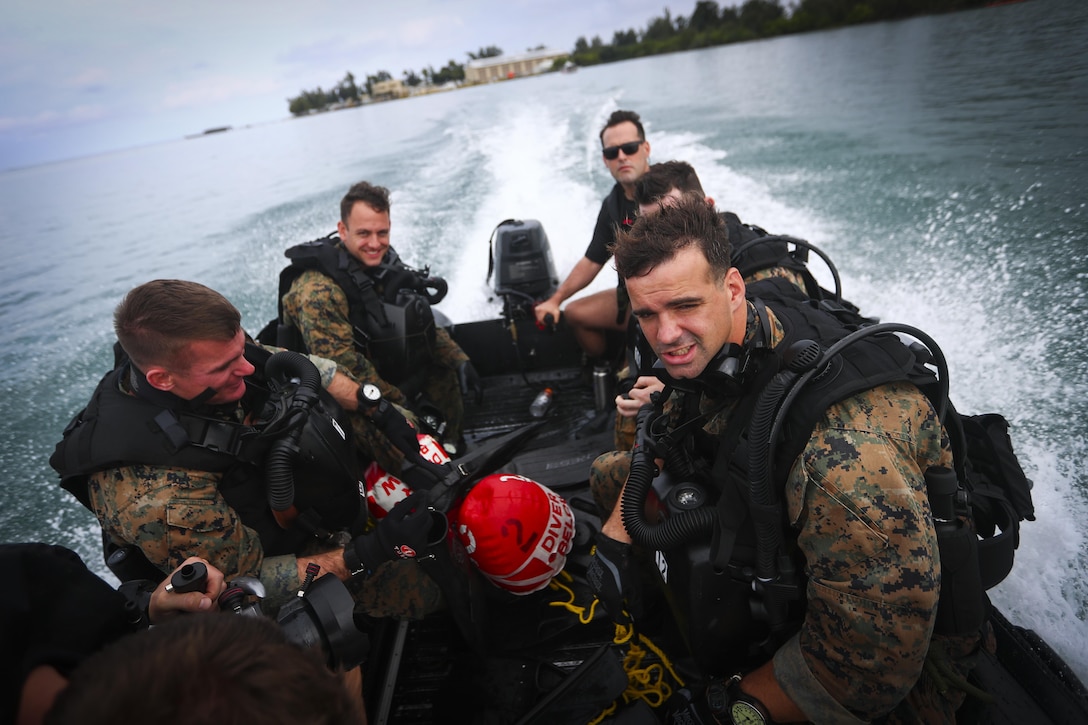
629	149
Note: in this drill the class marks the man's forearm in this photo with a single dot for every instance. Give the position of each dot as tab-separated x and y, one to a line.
331	562
345	391
762	685
584	272
613	526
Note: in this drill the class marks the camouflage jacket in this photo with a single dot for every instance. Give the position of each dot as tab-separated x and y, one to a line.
790	275
857	498
317	306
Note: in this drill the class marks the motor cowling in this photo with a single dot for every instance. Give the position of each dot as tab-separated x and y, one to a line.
523	259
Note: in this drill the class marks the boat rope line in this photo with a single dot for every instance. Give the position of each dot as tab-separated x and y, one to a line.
647	678
584	614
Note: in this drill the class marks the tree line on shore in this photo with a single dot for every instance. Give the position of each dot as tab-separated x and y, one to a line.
347	91
708	25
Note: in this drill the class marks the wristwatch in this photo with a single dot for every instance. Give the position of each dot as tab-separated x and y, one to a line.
368	396
731	705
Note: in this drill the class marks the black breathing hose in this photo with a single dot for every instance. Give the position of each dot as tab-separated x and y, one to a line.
799	243
678	528
281	367
439	285
768	532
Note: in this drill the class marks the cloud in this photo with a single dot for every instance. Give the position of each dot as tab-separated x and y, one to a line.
88	78
214	89
54	119
424	31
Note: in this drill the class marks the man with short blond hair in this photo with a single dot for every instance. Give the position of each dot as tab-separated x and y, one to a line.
176	455
337	294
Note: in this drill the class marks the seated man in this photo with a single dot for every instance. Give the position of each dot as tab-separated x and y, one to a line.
835	622
174	456
626	154
341	295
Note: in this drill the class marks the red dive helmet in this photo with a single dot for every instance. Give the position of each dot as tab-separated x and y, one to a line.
516	531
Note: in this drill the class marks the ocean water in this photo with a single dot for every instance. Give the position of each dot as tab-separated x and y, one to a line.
942	162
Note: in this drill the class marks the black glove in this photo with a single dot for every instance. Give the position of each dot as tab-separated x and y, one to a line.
470	380
404	533
422	475
613	578
397	428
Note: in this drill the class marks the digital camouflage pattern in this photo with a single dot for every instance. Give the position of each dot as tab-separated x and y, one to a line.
172	514
317	306
398	588
857	498
791	275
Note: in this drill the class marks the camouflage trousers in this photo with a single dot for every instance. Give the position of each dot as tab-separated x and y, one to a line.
443	390
606	478
399	589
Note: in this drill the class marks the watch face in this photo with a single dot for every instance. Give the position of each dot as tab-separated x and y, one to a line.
744	713
371	392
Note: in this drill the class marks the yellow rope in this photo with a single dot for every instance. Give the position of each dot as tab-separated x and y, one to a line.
646	682
604	713
664	658
585	615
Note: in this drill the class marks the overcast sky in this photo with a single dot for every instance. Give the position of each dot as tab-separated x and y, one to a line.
80	77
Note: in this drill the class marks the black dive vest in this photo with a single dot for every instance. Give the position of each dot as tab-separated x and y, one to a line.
118	429
754	251
389	307
773	251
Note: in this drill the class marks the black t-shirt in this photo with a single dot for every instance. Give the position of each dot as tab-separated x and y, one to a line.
616	211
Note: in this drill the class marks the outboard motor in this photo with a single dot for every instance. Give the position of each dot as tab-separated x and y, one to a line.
521	259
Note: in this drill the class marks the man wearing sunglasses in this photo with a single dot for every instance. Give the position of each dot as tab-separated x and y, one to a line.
626	153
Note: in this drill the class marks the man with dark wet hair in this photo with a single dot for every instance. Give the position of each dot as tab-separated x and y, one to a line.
855	516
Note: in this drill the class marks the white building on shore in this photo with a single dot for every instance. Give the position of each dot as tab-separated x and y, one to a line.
502	67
